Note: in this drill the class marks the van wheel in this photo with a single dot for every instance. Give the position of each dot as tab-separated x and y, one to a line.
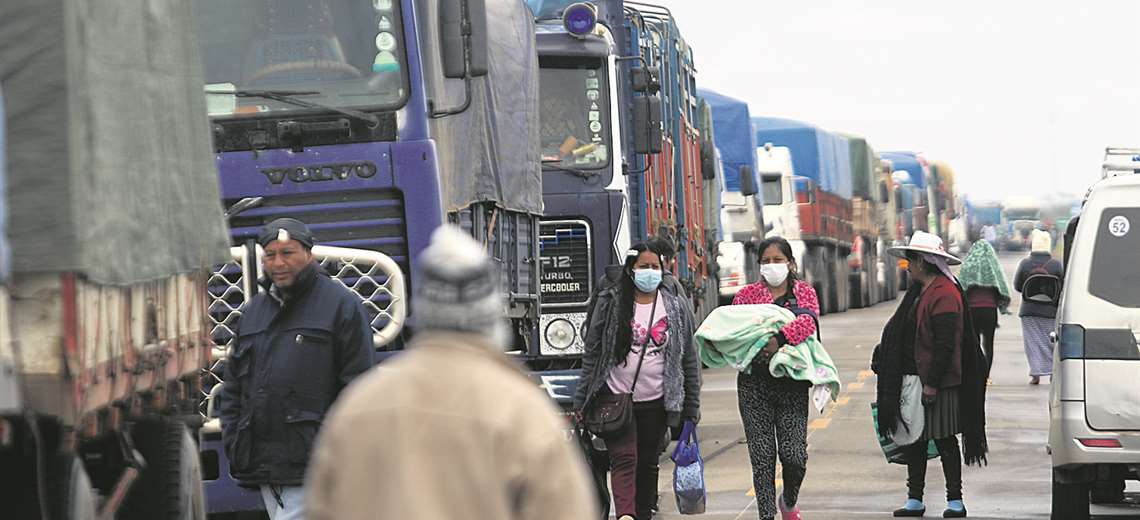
1070	500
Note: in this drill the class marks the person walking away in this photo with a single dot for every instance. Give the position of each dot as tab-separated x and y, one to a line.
300	342
775	410
640	342
931	336
989	234
987	292
452	428
1039	280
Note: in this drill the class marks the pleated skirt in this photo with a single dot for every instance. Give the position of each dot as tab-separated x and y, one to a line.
942	419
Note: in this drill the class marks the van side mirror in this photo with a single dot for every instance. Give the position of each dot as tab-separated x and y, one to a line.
747	181
463	38
647	138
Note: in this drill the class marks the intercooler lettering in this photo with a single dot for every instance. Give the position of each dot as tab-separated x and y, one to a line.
549	276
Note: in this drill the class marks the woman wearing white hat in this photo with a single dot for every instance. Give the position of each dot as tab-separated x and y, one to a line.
929	338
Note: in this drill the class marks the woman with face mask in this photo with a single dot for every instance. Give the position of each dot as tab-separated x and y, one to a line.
775	409
640	341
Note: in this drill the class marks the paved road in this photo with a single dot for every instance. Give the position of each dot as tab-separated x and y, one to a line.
847	475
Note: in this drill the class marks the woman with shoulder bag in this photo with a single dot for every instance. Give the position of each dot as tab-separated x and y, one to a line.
640	375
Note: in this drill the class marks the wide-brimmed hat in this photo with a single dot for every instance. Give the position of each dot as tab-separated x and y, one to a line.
923	242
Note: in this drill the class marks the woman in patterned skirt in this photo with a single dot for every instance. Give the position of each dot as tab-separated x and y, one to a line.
775	409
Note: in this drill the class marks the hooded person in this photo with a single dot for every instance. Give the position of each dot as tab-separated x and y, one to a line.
987	292
1039	280
930	352
451	428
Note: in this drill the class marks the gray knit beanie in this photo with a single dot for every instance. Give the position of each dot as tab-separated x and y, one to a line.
458	287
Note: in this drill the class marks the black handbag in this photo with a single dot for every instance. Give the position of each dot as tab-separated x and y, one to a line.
609	415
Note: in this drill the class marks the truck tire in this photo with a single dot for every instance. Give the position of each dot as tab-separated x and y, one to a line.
843	281
69	489
170	488
1070	500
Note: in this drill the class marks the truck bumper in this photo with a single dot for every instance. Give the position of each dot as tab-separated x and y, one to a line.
223	494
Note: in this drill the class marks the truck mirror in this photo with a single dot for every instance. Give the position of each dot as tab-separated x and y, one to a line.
647	125
708	160
463	55
747	181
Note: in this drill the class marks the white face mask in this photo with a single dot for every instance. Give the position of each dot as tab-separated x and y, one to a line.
774	274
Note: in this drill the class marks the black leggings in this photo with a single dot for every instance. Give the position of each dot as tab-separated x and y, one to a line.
985	323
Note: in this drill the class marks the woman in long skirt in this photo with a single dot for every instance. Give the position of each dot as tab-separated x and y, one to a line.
1039	281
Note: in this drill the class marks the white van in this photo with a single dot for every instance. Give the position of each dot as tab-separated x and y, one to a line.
1094	433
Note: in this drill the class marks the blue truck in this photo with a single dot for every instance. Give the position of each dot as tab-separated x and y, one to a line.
374	122
621	159
742	207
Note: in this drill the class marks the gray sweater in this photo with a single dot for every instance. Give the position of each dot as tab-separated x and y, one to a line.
682	368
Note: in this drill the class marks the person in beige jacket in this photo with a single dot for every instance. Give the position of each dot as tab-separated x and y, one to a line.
451	429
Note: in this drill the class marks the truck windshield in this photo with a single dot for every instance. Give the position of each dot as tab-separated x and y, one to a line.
342	53
574	113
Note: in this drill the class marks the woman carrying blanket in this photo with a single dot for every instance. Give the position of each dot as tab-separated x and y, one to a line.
775	410
987	291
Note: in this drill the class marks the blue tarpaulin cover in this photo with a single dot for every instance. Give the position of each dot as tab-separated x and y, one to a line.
816	153
908	162
733	136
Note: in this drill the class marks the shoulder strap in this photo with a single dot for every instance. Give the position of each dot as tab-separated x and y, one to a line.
645	344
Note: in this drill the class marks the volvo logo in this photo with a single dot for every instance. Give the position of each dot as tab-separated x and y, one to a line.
321	172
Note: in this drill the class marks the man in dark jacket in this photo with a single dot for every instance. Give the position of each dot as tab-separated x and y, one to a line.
300	342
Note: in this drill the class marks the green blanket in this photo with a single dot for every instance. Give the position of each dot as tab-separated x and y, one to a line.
981	269
733	335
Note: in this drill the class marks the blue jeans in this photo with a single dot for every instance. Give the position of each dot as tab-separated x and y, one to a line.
284	502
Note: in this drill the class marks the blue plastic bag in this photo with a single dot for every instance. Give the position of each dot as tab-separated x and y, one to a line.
689	473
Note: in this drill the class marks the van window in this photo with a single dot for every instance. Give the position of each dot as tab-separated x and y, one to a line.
1115	275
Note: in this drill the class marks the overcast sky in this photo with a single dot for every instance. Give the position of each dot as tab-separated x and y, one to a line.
1020	97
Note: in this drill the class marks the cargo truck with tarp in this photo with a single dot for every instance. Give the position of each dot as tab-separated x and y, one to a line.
806	174
374	122
622	152
741	208
871	270
112	224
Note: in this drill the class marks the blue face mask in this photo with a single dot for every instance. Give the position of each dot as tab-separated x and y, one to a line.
647	280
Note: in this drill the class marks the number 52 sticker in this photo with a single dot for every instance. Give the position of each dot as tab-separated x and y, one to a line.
1119	226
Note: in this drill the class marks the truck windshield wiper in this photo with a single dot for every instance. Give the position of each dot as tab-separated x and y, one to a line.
286	96
557	166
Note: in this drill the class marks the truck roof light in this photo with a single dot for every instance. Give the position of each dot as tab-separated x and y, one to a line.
580	19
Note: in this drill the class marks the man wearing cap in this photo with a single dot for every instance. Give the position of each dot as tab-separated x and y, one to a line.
300	342
452	428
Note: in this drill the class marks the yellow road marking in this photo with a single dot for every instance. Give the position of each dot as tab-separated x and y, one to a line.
864	374
842	401
819	424
855	386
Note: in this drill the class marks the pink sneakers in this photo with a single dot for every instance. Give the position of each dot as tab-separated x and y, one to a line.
794	514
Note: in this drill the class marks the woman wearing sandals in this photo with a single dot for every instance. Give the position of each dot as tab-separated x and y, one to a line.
640	341
931	336
775	409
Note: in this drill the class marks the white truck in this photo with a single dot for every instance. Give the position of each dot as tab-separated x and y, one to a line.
112	222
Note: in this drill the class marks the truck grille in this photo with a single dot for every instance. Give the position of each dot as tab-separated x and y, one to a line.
564	247
360	219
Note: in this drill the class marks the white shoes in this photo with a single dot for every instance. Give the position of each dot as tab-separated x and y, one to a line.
625	517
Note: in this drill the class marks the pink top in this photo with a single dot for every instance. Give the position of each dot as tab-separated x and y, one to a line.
651	381
800	328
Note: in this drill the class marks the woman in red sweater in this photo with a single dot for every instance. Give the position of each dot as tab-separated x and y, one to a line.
775	409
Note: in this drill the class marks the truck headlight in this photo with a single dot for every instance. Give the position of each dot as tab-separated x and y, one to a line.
560	334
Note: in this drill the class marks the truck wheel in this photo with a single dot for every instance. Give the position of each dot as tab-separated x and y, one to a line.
69	489
1070	500
170	488
842	282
